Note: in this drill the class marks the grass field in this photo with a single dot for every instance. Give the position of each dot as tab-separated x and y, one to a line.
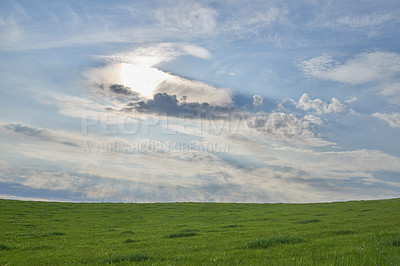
344	233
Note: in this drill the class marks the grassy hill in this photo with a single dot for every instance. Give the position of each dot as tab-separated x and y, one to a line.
342	233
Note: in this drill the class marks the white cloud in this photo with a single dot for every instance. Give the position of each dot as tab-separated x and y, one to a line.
197	51
363	68
49	199
270	172
288	128
351	100
195	91
219	180
339	164
257	100
313	119
317	65
73	106
379	68
320	107
154	55
392	119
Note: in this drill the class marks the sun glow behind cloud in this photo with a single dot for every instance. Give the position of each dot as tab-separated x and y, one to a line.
141	71
141	79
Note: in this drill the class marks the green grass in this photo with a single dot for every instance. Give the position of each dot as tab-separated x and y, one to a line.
3	247
136	257
273	241
184	233
340	233
395	242
310	221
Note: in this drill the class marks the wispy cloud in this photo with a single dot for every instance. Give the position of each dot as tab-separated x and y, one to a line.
189	18
154	55
365	20
287	173
379	70
393	119
363	68
36	133
391	90
351	100
10	32
249	19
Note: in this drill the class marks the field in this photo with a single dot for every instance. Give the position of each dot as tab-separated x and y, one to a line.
342	233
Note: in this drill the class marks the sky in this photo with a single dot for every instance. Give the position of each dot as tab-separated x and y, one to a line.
203	101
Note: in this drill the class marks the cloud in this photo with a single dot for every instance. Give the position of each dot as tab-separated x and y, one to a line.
351	100
148	56
363	21
317	65
26	130
10	32
162	103
338	164
320	107
313	119
85	187
73	106
157	54
392	119
391	90
39	134
197	51
363	68
195	91
145	82
277	126
348	19
224	183
276	172
288	128
121	89
257	100
137	70
188	17
244	19
115	94
265	17
381	69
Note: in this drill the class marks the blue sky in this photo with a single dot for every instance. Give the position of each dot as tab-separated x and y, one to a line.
226	101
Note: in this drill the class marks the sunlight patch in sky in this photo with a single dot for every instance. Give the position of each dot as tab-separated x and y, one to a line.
141	79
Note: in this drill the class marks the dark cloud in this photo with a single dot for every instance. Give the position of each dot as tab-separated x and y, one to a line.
30	131
121	89
113	92
162	103
37	133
